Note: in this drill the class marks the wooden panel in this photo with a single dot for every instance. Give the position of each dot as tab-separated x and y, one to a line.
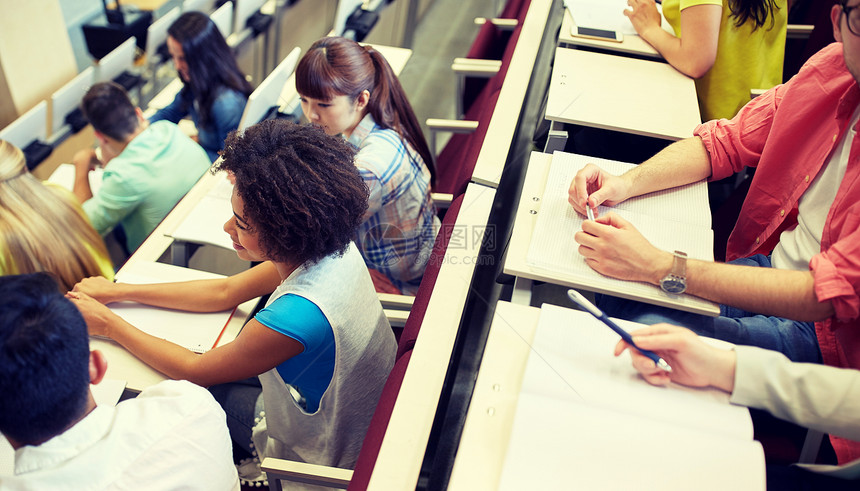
36	55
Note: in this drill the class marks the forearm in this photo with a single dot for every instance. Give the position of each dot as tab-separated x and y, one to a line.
172	360
203	295
684	57
81	187
767	291
680	163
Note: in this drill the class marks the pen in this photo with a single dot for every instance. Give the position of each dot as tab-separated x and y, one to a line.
591	309
588	210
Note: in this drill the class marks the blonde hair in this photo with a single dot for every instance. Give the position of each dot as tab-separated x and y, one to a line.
42	229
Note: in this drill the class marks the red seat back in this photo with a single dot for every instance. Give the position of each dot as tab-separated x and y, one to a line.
431	273
378	424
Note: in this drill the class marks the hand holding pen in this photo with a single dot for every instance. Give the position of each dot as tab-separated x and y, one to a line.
589	307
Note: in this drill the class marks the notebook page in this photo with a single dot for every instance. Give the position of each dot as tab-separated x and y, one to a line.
687	204
196	331
554	250
572	359
568	445
204	224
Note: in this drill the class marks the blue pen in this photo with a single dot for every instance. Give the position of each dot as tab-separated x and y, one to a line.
591	309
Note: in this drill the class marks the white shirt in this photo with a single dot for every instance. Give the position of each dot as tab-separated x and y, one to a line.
173	435
797	246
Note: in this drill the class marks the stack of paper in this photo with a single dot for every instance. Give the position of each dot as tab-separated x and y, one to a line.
586	420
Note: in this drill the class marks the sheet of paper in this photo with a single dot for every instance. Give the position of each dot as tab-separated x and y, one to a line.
568	445
572	359
196	331
676	219
64	175
205	223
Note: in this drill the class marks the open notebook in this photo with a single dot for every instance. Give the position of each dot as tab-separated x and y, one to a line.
205	223
586	420
198	332
673	219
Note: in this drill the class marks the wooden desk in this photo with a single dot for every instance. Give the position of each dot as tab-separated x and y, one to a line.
517	265
487	429
630	45
621	94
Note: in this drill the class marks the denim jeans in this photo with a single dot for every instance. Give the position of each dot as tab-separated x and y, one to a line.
795	339
243	402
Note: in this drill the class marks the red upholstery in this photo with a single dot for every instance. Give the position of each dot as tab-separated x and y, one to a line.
378	424
431	273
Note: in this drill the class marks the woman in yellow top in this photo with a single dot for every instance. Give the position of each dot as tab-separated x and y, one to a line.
728	46
43	228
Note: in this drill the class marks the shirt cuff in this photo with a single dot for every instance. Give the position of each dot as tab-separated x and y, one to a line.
831	285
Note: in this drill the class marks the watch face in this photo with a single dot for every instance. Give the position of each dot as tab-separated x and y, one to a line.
673	285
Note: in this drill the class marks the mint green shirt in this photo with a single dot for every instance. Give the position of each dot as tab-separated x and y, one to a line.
142	184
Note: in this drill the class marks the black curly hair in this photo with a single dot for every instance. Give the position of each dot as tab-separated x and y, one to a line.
301	189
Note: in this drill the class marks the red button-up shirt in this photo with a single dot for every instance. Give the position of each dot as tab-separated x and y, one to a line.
788	134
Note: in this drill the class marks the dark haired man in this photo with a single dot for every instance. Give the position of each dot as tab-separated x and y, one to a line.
173	435
148	168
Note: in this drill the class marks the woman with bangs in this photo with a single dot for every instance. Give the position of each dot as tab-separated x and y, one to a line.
350	90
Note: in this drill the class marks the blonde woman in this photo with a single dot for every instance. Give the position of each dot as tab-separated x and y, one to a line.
42	227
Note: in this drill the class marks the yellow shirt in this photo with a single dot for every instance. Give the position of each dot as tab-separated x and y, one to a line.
746	59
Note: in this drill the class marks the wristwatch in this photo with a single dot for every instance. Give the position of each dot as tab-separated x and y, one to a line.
676	281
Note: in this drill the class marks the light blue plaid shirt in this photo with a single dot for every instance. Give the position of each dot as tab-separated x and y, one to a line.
398	231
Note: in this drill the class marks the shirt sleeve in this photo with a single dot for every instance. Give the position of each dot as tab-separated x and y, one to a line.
298	318
816	396
837	273
174	111
693	3
227	111
117	198
733	144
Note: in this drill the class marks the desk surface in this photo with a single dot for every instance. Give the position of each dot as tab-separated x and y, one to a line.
622	94
487	429
633	45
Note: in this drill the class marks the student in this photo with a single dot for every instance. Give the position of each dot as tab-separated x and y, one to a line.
171	436
148	168
322	347
729	46
350	90
794	285
43	228
215	90
823	398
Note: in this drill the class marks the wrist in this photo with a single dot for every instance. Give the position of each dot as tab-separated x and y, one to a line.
662	267
723	374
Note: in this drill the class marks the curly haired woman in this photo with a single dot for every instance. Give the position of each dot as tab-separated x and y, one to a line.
322	343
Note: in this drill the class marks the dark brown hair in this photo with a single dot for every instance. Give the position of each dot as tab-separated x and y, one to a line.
336	66
211	64
302	192
759	11
107	107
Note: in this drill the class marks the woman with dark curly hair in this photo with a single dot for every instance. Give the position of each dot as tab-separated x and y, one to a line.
215	90
321	344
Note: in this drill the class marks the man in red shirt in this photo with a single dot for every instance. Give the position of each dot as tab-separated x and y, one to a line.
803	209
